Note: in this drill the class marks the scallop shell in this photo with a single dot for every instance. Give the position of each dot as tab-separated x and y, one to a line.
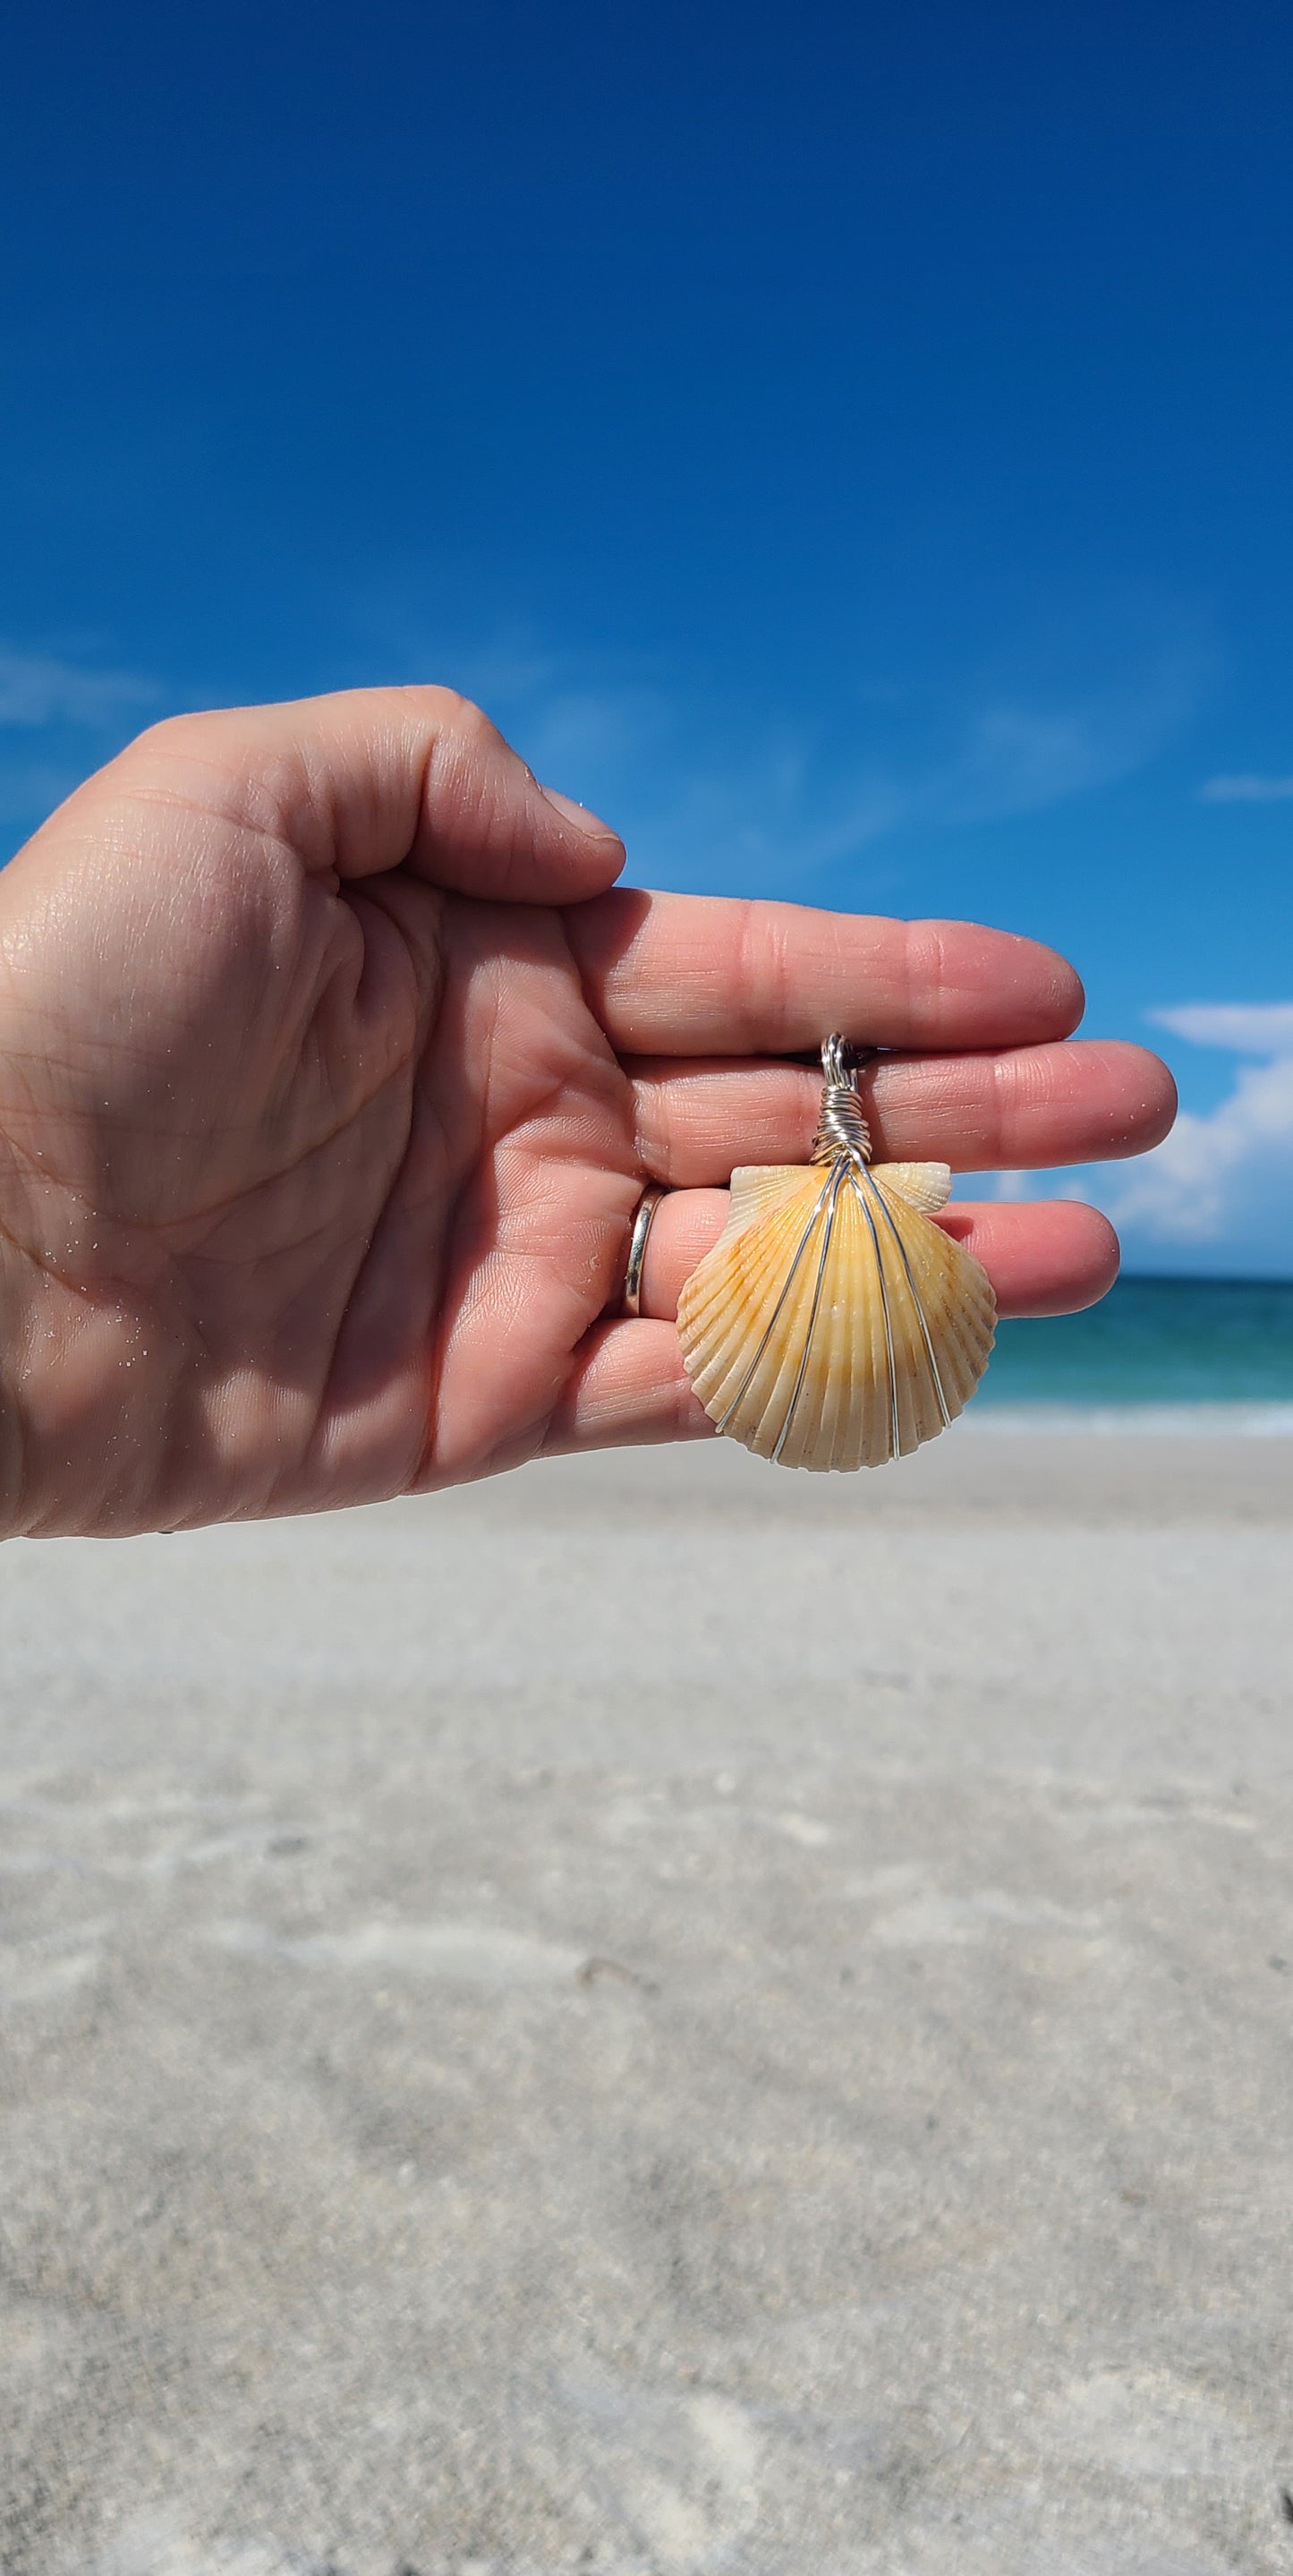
832	1325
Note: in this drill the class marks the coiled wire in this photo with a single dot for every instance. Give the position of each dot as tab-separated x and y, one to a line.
841	1127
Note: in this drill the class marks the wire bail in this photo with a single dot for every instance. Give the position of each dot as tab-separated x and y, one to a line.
841	1127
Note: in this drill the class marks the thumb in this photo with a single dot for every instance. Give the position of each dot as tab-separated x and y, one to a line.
373	779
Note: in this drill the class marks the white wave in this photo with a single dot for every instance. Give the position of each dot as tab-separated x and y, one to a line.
1137	1421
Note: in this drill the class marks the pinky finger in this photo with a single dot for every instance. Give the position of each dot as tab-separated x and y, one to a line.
627	1383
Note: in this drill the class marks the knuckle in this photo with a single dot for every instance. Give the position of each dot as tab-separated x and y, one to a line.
170	734
763	966
457	715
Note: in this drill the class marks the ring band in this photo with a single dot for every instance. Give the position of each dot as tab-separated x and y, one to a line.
646	1208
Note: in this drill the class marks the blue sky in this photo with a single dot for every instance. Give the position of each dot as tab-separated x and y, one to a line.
850	448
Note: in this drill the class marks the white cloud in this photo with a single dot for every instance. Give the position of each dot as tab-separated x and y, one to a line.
1217	1171
1245	1028
36	689
1246	789
1011	1189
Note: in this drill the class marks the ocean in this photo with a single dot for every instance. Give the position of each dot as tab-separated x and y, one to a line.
1156	1354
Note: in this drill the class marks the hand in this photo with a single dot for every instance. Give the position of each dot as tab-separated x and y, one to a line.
331	1070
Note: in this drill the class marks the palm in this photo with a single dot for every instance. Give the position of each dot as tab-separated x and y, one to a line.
337	1160
366	1204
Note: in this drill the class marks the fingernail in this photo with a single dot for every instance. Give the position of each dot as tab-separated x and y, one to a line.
577	814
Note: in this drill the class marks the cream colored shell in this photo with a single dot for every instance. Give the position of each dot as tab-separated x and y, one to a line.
832	1325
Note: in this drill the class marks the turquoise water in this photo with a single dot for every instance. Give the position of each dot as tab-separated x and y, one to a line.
1157	1342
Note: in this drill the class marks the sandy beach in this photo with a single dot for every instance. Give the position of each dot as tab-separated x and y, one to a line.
657	2015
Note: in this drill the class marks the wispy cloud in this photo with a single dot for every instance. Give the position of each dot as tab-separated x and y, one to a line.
779	799
722	815
576	732
1243	1028
806	801
803	799
1246	788
59	719
1030	750
1011	1188
1215	1173
31	788
36	690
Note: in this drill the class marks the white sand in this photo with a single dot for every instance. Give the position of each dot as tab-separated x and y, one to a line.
658	2015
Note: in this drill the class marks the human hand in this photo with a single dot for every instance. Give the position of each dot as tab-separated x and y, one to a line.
331	1072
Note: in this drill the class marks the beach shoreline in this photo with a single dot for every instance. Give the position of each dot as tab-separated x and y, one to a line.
657	2014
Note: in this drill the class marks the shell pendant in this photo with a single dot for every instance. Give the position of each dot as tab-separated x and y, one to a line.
832	1325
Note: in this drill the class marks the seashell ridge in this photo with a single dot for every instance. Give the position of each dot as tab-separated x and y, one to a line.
832	1325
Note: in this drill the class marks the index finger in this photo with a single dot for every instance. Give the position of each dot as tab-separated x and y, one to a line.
699	974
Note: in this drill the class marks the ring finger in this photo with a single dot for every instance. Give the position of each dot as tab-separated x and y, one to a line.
1047	1257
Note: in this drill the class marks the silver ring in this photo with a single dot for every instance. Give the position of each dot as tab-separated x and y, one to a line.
645	1211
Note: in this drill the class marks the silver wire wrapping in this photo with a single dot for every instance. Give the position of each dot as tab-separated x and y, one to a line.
841	1127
